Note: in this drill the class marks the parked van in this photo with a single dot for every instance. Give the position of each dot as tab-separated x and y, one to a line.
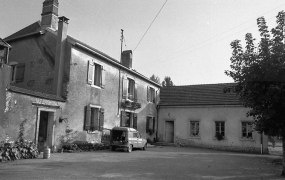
126	138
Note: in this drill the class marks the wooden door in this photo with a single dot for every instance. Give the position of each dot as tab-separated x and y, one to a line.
169	131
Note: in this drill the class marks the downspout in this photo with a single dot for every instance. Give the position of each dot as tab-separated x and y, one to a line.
157	116
261	143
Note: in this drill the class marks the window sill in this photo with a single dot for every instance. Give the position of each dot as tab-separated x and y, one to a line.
247	139
195	137
97	87
221	139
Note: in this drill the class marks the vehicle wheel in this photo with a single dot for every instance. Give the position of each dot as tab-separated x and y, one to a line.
113	148
130	148
145	146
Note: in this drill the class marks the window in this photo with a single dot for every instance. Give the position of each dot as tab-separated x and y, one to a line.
94	118
220	129
194	128
150	95
129	119
246	130
18	72
96	74
129	89
150	125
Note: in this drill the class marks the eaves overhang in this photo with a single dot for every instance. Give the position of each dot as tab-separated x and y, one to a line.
26	35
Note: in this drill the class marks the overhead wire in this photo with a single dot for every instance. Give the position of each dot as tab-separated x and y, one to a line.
150	25
172	56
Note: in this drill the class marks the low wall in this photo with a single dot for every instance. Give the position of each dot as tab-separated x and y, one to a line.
188	143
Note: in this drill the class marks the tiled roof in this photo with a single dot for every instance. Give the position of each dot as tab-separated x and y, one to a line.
35	93
27	30
196	95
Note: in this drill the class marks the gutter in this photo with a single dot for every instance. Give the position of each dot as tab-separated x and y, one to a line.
115	62
27	35
197	105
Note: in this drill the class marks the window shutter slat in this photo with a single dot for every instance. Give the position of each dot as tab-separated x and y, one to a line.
101	119
125	88
103	77
135	121
90	74
20	72
87	118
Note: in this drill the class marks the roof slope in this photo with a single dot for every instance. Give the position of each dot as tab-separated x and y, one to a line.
27	30
193	95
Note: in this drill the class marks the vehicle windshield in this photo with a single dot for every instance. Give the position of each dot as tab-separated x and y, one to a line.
118	135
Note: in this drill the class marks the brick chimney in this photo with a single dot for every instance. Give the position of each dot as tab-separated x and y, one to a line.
127	58
50	14
60	55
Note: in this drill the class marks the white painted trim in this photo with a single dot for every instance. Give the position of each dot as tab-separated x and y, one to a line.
95	106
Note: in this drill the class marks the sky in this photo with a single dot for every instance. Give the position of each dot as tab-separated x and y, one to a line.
187	40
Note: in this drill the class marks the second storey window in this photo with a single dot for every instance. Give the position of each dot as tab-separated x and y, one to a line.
18	72
150	95
96	74
129	89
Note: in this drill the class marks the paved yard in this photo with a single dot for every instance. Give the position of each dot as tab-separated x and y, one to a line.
155	163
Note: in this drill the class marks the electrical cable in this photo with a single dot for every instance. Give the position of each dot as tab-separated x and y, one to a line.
150	25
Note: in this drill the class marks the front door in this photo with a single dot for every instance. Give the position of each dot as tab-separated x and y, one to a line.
169	131
43	130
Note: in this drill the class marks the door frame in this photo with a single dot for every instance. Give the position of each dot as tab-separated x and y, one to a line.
164	129
50	128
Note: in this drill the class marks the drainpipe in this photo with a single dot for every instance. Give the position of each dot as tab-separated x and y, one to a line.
261	143
157	116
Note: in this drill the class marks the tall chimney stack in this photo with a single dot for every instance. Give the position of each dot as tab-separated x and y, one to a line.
127	59
60	55
50	14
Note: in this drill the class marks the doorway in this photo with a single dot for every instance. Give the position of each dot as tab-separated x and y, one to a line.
45	132
169	131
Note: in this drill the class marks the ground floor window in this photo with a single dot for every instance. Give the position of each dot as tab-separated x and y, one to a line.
194	128
150	125
220	129
246	130
94	118
129	119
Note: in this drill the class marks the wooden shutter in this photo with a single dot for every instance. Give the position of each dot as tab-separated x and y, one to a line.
153	124
147	124
135	121
101	119
20	72
125	88
148	94
157	96
123	118
102	77
87	118
96	118
136	92
90	74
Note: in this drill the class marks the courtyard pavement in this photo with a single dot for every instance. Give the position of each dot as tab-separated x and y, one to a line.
157	162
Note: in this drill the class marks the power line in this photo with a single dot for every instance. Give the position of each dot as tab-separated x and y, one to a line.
172	56
150	24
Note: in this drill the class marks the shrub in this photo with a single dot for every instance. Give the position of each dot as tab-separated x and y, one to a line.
10	151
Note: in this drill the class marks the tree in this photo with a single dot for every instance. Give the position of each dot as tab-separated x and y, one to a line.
155	78
167	82
259	71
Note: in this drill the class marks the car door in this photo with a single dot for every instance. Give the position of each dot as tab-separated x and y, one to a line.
140	140
133	139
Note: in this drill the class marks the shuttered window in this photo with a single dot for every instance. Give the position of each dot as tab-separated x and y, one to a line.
130	89
94	118
96	74
150	94
129	119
